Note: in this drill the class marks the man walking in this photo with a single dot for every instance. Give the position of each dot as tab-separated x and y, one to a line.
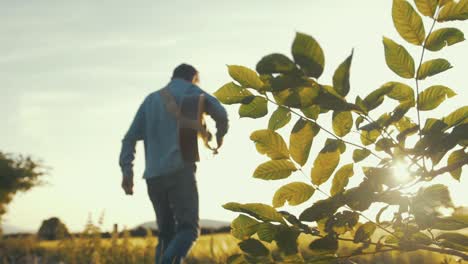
168	122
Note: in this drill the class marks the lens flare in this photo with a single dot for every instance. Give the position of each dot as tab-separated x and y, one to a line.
401	172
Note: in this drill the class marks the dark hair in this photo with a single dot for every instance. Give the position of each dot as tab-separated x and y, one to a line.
184	71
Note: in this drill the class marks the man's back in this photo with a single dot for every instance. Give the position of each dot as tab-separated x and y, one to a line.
170	160
160	132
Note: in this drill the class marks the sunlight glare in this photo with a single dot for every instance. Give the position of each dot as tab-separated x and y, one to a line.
445	211
401	172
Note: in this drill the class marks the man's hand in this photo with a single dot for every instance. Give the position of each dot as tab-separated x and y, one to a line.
127	185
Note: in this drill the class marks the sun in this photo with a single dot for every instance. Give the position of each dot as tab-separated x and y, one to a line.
401	172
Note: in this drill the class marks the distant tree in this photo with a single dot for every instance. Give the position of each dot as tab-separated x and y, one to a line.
17	173
53	229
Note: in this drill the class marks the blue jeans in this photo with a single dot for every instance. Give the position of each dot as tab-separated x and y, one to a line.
175	202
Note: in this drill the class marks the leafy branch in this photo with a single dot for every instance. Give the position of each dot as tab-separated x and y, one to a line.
295	91
326	130
423	49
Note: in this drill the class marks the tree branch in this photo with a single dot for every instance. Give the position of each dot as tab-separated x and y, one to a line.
447	251
327	131
349	208
367	253
449	168
417	80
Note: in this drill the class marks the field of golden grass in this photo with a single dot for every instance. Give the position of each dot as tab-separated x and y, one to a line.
209	249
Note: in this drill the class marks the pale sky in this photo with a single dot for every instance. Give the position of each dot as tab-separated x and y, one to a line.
72	74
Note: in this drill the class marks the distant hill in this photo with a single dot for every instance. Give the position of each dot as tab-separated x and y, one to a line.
204	224
11	229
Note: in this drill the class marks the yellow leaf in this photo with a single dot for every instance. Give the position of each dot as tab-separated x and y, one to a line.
398	59
325	164
294	193
407	22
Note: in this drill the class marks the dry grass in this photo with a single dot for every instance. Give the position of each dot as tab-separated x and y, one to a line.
209	249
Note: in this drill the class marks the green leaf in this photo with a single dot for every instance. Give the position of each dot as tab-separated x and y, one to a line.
267	232
359	121
432	197
245	77
331	143
257	108
322	209
275	63
404	124
360	154
379	214
325	163
254	247
274	170
364	232
433	96
298	97
279	118
286	240
369	137
433	126
325	245
301	139
329	99
443	37
270	143
455	157
455	241
395	238
295	193
308	54
382	122
342	222
341	178
384	144
444	2
426	7
454	11
232	93
376	97
433	67
456	117
243	227
454	222
341	76
360	198
421	238
400	91
407	22
398	59
331	91
342	122
383	176
286	81
258	210
312	111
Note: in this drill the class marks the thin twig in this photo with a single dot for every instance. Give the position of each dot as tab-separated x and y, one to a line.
327	131
402	149
449	168
348	207
367	253
417	80
443	251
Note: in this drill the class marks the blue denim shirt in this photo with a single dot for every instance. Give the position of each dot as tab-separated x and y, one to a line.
159	132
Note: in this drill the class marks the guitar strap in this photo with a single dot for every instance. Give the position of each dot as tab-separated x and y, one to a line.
198	124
